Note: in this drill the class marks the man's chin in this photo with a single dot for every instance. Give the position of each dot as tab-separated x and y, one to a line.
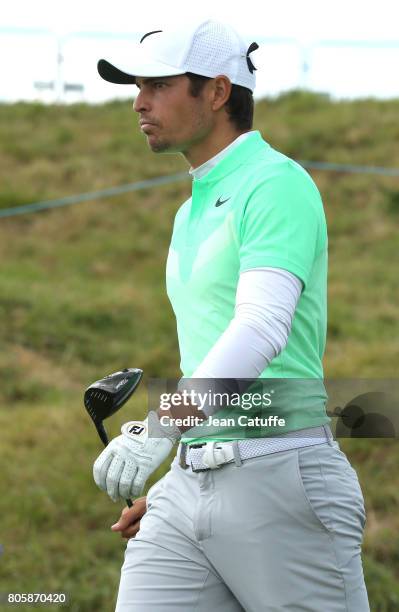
161	146
158	146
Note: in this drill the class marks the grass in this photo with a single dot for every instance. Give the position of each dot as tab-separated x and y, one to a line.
83	294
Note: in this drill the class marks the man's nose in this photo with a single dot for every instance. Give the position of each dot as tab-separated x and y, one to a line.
141	102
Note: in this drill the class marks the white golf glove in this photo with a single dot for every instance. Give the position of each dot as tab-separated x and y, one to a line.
124	466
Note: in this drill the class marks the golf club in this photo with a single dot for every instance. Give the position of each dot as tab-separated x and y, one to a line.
104	397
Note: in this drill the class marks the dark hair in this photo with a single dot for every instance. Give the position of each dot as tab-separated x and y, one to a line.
239	106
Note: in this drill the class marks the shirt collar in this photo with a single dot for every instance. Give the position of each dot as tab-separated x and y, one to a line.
203	169
235	157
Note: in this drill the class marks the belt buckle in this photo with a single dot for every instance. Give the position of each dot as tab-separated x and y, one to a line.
209	457
227	452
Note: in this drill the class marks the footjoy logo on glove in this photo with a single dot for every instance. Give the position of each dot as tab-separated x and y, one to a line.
134	429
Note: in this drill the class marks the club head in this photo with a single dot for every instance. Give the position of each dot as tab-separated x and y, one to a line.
104	397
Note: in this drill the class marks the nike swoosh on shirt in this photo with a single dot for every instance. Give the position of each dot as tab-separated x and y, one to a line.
220	202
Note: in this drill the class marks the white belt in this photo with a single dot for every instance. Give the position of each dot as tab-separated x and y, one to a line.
212	455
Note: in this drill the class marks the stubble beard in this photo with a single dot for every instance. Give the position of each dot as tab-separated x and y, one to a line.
160	146
202	128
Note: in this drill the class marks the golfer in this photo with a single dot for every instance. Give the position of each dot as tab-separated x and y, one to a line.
255	515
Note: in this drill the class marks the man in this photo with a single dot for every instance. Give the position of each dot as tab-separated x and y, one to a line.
249	517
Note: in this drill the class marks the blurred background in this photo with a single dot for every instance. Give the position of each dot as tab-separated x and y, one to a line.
82	289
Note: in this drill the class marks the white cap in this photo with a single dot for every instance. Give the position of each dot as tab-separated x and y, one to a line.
208	48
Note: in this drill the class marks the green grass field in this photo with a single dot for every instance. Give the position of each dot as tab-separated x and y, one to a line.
82	294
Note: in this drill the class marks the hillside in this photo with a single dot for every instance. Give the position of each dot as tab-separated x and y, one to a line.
82	294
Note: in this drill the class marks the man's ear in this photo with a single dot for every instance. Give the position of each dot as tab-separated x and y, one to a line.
221	91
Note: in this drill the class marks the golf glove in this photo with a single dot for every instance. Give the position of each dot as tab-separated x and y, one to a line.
124	466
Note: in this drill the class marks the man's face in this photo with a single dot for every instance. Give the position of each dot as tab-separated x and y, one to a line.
171	118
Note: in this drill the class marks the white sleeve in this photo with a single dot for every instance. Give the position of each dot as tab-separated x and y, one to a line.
266	299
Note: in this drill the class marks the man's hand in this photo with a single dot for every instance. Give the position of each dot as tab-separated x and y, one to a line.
124	466
129	521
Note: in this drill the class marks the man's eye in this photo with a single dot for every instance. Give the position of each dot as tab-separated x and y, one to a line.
159	84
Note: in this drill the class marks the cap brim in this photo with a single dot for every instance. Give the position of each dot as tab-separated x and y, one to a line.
112	74
144	67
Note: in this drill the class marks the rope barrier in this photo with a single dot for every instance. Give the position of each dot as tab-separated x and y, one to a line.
164	180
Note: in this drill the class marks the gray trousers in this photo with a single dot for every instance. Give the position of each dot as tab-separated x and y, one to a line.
282	532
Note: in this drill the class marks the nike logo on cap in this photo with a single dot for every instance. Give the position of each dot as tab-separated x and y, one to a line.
220	202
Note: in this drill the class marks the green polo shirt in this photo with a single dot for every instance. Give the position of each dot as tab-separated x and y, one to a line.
255	208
